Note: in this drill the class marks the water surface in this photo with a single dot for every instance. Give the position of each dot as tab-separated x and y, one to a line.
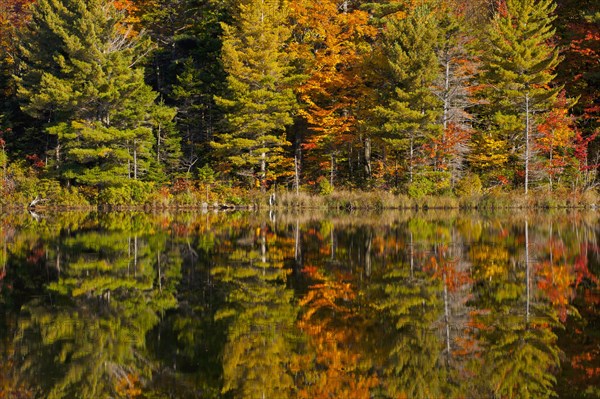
243	305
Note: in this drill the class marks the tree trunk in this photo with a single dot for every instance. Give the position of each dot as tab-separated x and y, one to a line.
296	175
263	171
135	163
412	154
550	171
332	171
368	169
158	144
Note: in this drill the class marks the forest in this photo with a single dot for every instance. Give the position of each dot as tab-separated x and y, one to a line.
133	102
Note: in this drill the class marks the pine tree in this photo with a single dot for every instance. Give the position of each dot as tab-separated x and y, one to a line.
411	111
184	66
14	14
261	101
518	63
80	77
192	113
168	140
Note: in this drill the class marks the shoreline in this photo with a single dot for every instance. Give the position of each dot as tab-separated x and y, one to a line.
345	201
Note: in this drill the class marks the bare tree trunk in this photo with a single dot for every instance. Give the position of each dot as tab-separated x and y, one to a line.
368	157
332	171
446	94
135	162
158	142
412	154
550	172
263	171
296	175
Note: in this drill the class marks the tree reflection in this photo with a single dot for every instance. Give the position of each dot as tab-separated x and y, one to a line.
335	364
261	313
87	335
513	326
249	305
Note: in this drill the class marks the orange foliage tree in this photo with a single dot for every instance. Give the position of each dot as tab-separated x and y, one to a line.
555	141
330	42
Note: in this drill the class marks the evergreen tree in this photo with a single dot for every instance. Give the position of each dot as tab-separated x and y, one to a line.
411	111
168	140
518	63
193	110
80	77
184	66
452	87
261	101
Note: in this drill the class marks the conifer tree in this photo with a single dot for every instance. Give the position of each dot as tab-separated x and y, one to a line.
193	112
82	80
261	101
518	63
411	111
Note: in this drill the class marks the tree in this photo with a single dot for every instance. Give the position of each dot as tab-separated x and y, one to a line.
579	31
185	68
517	70
168	141
14	14
331	44
260	103
82	81
453	88
410	110
556	142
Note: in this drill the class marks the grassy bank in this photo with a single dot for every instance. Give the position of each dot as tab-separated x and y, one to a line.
385	200
142	196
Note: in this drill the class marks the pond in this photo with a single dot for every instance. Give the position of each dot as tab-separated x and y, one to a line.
438	304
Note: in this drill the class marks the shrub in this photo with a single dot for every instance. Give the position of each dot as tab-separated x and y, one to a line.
469	186
325	188
420	187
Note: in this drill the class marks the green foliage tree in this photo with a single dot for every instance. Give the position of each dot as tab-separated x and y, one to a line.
518	60
184	66
261	101
410	111
169	153
82	81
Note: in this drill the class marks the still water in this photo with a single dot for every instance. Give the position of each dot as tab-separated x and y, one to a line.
241	305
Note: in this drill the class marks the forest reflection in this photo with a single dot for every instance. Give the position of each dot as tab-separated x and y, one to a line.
238	305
